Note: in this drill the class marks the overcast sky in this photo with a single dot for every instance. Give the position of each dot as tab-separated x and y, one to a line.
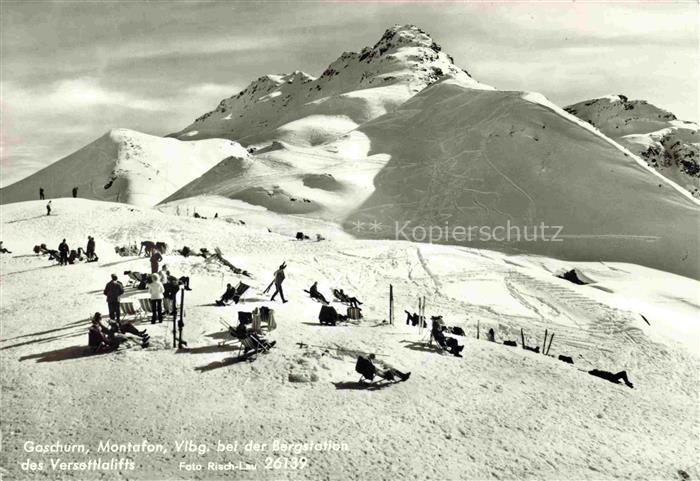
70	71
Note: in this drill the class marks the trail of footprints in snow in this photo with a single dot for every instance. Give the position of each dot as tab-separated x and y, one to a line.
606	320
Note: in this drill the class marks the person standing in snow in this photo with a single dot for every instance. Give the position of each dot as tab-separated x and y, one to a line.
156	289
63	250
48	208
277	281
41	193
90	250
171	288
75	192
113	290
155	260
163	274
491	336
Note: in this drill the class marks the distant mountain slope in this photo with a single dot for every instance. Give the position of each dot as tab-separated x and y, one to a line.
357	87
396	136
463	157
669	145
327	181
125	166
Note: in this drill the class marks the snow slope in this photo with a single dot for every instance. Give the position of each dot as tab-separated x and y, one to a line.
324	182
357	87
455	153
497	413
464	157
667	144
125	166
394	136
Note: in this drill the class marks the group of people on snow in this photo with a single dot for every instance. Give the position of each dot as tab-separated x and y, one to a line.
42	195
103	336
162	286
65	255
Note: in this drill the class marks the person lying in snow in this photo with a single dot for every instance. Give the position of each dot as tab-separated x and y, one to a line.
139	279
185	251
122	327
314	294
42	249
104	337
616	378
449	344
366	367
126	251
3	250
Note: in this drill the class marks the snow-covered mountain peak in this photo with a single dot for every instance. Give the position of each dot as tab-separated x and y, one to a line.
357	86
405	36
404	53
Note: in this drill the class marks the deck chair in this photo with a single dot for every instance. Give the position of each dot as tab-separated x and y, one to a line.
340	297
240	290
257	320
346	299
433	343
128	311
247	343
251	343
267	317
146	306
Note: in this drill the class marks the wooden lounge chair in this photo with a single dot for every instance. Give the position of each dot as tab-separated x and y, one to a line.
129	312
146	306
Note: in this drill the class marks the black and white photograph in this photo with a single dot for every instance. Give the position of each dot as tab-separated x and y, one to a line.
374	240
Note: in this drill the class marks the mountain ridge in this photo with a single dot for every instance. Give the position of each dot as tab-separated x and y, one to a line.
668	145
402	62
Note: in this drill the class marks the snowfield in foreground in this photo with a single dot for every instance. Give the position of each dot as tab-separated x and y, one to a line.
498	413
